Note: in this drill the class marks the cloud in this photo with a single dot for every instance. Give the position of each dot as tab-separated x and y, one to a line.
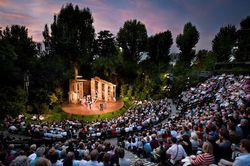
157	15
14	16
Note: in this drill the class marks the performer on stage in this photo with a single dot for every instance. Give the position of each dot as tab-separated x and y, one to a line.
101	106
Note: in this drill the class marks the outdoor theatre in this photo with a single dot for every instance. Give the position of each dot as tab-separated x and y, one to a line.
96	89
91	97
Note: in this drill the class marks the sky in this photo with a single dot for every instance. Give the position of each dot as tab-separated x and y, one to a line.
158	15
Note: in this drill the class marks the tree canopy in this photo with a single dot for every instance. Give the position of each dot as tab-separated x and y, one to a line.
186	42
132	38
243	52
72	35
159	47
106	58
223	43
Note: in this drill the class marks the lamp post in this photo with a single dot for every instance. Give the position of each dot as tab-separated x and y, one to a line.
26	82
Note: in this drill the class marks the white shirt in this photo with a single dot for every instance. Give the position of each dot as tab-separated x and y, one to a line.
175	156
32	156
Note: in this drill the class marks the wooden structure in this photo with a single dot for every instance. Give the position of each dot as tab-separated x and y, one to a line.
102	90
98	89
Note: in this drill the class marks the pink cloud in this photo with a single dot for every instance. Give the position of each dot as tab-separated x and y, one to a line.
13	16
36	14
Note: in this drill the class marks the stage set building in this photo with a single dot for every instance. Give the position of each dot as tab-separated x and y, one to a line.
96	88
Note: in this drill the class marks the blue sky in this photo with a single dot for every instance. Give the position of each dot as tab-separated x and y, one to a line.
158	15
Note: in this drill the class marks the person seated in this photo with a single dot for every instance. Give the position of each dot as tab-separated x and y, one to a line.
176	151
223	145
244	157
206	158
122	160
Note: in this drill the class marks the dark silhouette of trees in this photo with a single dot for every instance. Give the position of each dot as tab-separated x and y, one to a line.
159	47
243	52
72	36
132	38
223	43
186	42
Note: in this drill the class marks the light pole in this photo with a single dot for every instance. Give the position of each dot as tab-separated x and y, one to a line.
26	82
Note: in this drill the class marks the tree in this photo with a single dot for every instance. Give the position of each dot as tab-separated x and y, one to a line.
24	47
47	40
243	52
18	54
12	101
106	58
72	35
106	46
186	41
224	42
205	60
8	71
159	47
132	38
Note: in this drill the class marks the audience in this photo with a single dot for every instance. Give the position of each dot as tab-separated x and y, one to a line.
213	127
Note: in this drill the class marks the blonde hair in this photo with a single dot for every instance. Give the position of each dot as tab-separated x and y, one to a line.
207	147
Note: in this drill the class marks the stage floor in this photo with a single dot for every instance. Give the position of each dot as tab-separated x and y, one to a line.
79	109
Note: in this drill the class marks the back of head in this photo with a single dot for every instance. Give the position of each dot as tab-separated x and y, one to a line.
207	147
42	162
40	151
71	155
121	153
52	156
93	155
224	133
20	161
11	146
138	163
63	153
174	140
106	157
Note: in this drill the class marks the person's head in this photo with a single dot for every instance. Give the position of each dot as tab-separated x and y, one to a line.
106	157
231	126
81	145
52	156
11	146
20	161
33	147
42	162
173	140
138	163
224	133
71	155
121	153
207	147
94	155
243	122
245	145
63	153
40	151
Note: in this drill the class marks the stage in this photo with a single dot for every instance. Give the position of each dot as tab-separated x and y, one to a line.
83	109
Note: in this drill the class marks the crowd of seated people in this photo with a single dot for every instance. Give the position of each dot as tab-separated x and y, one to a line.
141	117
138	118
215	117
71	152
212	128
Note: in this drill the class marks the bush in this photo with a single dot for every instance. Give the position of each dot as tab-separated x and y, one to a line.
12	101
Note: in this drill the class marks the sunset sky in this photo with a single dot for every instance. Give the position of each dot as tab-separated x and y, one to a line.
158	15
